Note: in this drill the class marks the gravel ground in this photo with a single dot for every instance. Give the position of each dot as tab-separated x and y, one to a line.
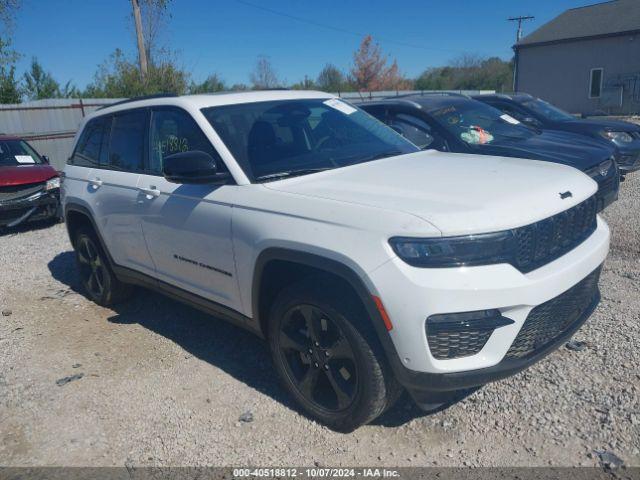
157	383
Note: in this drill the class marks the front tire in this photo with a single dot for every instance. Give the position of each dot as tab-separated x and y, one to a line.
327	355
96	275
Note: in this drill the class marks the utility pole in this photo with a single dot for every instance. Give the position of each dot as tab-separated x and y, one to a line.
519	19
142	53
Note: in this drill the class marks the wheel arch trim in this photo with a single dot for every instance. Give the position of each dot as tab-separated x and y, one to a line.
330	266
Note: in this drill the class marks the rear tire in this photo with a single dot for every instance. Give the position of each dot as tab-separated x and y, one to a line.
328	356
96	275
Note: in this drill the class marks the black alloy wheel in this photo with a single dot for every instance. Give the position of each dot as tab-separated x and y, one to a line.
318	358
96	275
93	271
326	352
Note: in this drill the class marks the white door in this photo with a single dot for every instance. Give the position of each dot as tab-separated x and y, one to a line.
187	227
113	190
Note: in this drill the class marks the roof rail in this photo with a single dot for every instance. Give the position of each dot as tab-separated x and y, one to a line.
506	94
135	99
424	94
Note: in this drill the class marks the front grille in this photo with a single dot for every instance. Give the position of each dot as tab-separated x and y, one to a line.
17	192
549	239
548	321
8	216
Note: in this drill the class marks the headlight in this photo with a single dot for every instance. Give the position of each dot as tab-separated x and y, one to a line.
622	137
52	183
442	252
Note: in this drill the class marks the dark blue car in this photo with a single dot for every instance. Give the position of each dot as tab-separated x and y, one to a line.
540	114
457	123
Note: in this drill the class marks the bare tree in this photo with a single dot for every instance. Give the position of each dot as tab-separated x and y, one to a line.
155	15
263	74
149	19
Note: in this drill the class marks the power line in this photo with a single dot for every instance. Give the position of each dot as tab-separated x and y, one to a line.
342	30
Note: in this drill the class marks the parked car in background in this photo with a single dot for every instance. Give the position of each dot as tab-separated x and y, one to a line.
29	186
543	115
457	123
368	265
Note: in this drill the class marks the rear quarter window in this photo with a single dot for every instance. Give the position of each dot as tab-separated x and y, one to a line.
92	148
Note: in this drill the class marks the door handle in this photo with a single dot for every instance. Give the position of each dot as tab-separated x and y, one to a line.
95	183
151	191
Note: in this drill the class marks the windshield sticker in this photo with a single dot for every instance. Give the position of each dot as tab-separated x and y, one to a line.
340	106
476	136
25	159
509	119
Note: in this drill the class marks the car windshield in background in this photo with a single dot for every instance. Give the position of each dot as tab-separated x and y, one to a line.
476	123
547	110
278	139
17	152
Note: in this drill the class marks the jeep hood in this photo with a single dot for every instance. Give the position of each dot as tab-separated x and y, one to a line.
458	194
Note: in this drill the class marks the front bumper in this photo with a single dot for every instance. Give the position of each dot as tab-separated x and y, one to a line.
411	295
41	205
628	160
608	191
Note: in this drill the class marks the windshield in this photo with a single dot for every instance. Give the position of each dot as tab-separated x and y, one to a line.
477	124
17	152
547	110
296	137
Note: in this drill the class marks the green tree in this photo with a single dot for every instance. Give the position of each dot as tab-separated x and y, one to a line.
39	84
119	77
213	83
304	84
468	72
9	88
239	87
9	85
8	9
330	79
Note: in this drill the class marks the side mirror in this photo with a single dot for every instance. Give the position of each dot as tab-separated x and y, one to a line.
532	122
397	129
193	167
45	159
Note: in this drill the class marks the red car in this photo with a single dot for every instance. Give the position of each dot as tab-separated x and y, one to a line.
29	186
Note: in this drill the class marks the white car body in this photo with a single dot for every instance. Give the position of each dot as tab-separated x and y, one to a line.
346	215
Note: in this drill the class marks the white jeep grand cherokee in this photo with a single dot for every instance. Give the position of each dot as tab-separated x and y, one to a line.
369	266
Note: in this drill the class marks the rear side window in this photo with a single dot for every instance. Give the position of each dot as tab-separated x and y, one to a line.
128	138
414	129
92	147
174	131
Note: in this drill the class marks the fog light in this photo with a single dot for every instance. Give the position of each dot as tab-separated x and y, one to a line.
455	335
